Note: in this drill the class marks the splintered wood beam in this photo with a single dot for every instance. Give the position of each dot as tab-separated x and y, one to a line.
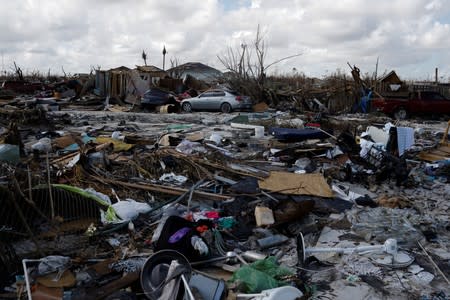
201	161
170	190
19	211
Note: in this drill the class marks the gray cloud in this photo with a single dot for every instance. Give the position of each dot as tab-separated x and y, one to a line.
408	35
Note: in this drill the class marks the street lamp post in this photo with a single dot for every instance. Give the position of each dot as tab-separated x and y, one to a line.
164	52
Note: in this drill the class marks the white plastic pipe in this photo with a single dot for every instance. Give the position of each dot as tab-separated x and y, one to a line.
25	273
345	250
187	287
389	246
248	296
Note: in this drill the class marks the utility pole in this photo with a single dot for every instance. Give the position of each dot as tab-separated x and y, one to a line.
374	83
3	66
164	52
144	57
376	69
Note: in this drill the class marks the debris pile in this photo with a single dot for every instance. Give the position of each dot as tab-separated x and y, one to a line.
113	204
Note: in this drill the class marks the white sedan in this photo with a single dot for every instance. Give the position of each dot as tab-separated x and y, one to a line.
217	100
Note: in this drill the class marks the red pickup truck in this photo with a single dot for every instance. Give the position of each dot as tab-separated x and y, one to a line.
421	102
23	87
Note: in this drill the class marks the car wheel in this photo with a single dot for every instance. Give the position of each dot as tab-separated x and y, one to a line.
400	114
225	107
187	107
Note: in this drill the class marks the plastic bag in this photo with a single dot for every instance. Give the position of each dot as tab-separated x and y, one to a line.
171	177
188	147
260	275
43	145
129	209
53	263
271	268
199	245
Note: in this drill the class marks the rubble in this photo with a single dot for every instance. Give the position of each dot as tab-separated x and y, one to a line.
102	200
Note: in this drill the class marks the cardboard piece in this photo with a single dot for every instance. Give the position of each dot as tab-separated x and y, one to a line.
296	184
119	146
260	107
64	141
41	292
195	136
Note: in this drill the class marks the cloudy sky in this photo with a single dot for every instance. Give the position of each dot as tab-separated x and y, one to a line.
410	36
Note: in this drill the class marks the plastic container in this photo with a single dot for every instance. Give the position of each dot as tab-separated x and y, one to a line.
259	132
253	255
272	240
263	216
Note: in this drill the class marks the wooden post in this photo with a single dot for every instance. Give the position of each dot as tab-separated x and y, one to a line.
22	218
52	208
164	52
30	192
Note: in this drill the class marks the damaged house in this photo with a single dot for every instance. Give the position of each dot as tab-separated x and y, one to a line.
390	83
197	70
126	83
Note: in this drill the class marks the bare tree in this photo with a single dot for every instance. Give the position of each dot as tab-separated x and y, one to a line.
64	72
94	69
247	66
18	71
175	71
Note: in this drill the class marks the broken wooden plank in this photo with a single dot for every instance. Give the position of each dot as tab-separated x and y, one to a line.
170	190
431	157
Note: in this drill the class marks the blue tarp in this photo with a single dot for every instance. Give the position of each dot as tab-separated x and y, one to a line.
297	135
365	102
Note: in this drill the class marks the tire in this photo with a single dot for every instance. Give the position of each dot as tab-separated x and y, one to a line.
400	113
225	107
186	107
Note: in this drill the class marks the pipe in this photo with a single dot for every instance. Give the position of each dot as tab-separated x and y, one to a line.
345	250
25	273
187	287
248	296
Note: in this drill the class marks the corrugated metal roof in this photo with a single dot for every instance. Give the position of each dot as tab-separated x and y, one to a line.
194	66
149	69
